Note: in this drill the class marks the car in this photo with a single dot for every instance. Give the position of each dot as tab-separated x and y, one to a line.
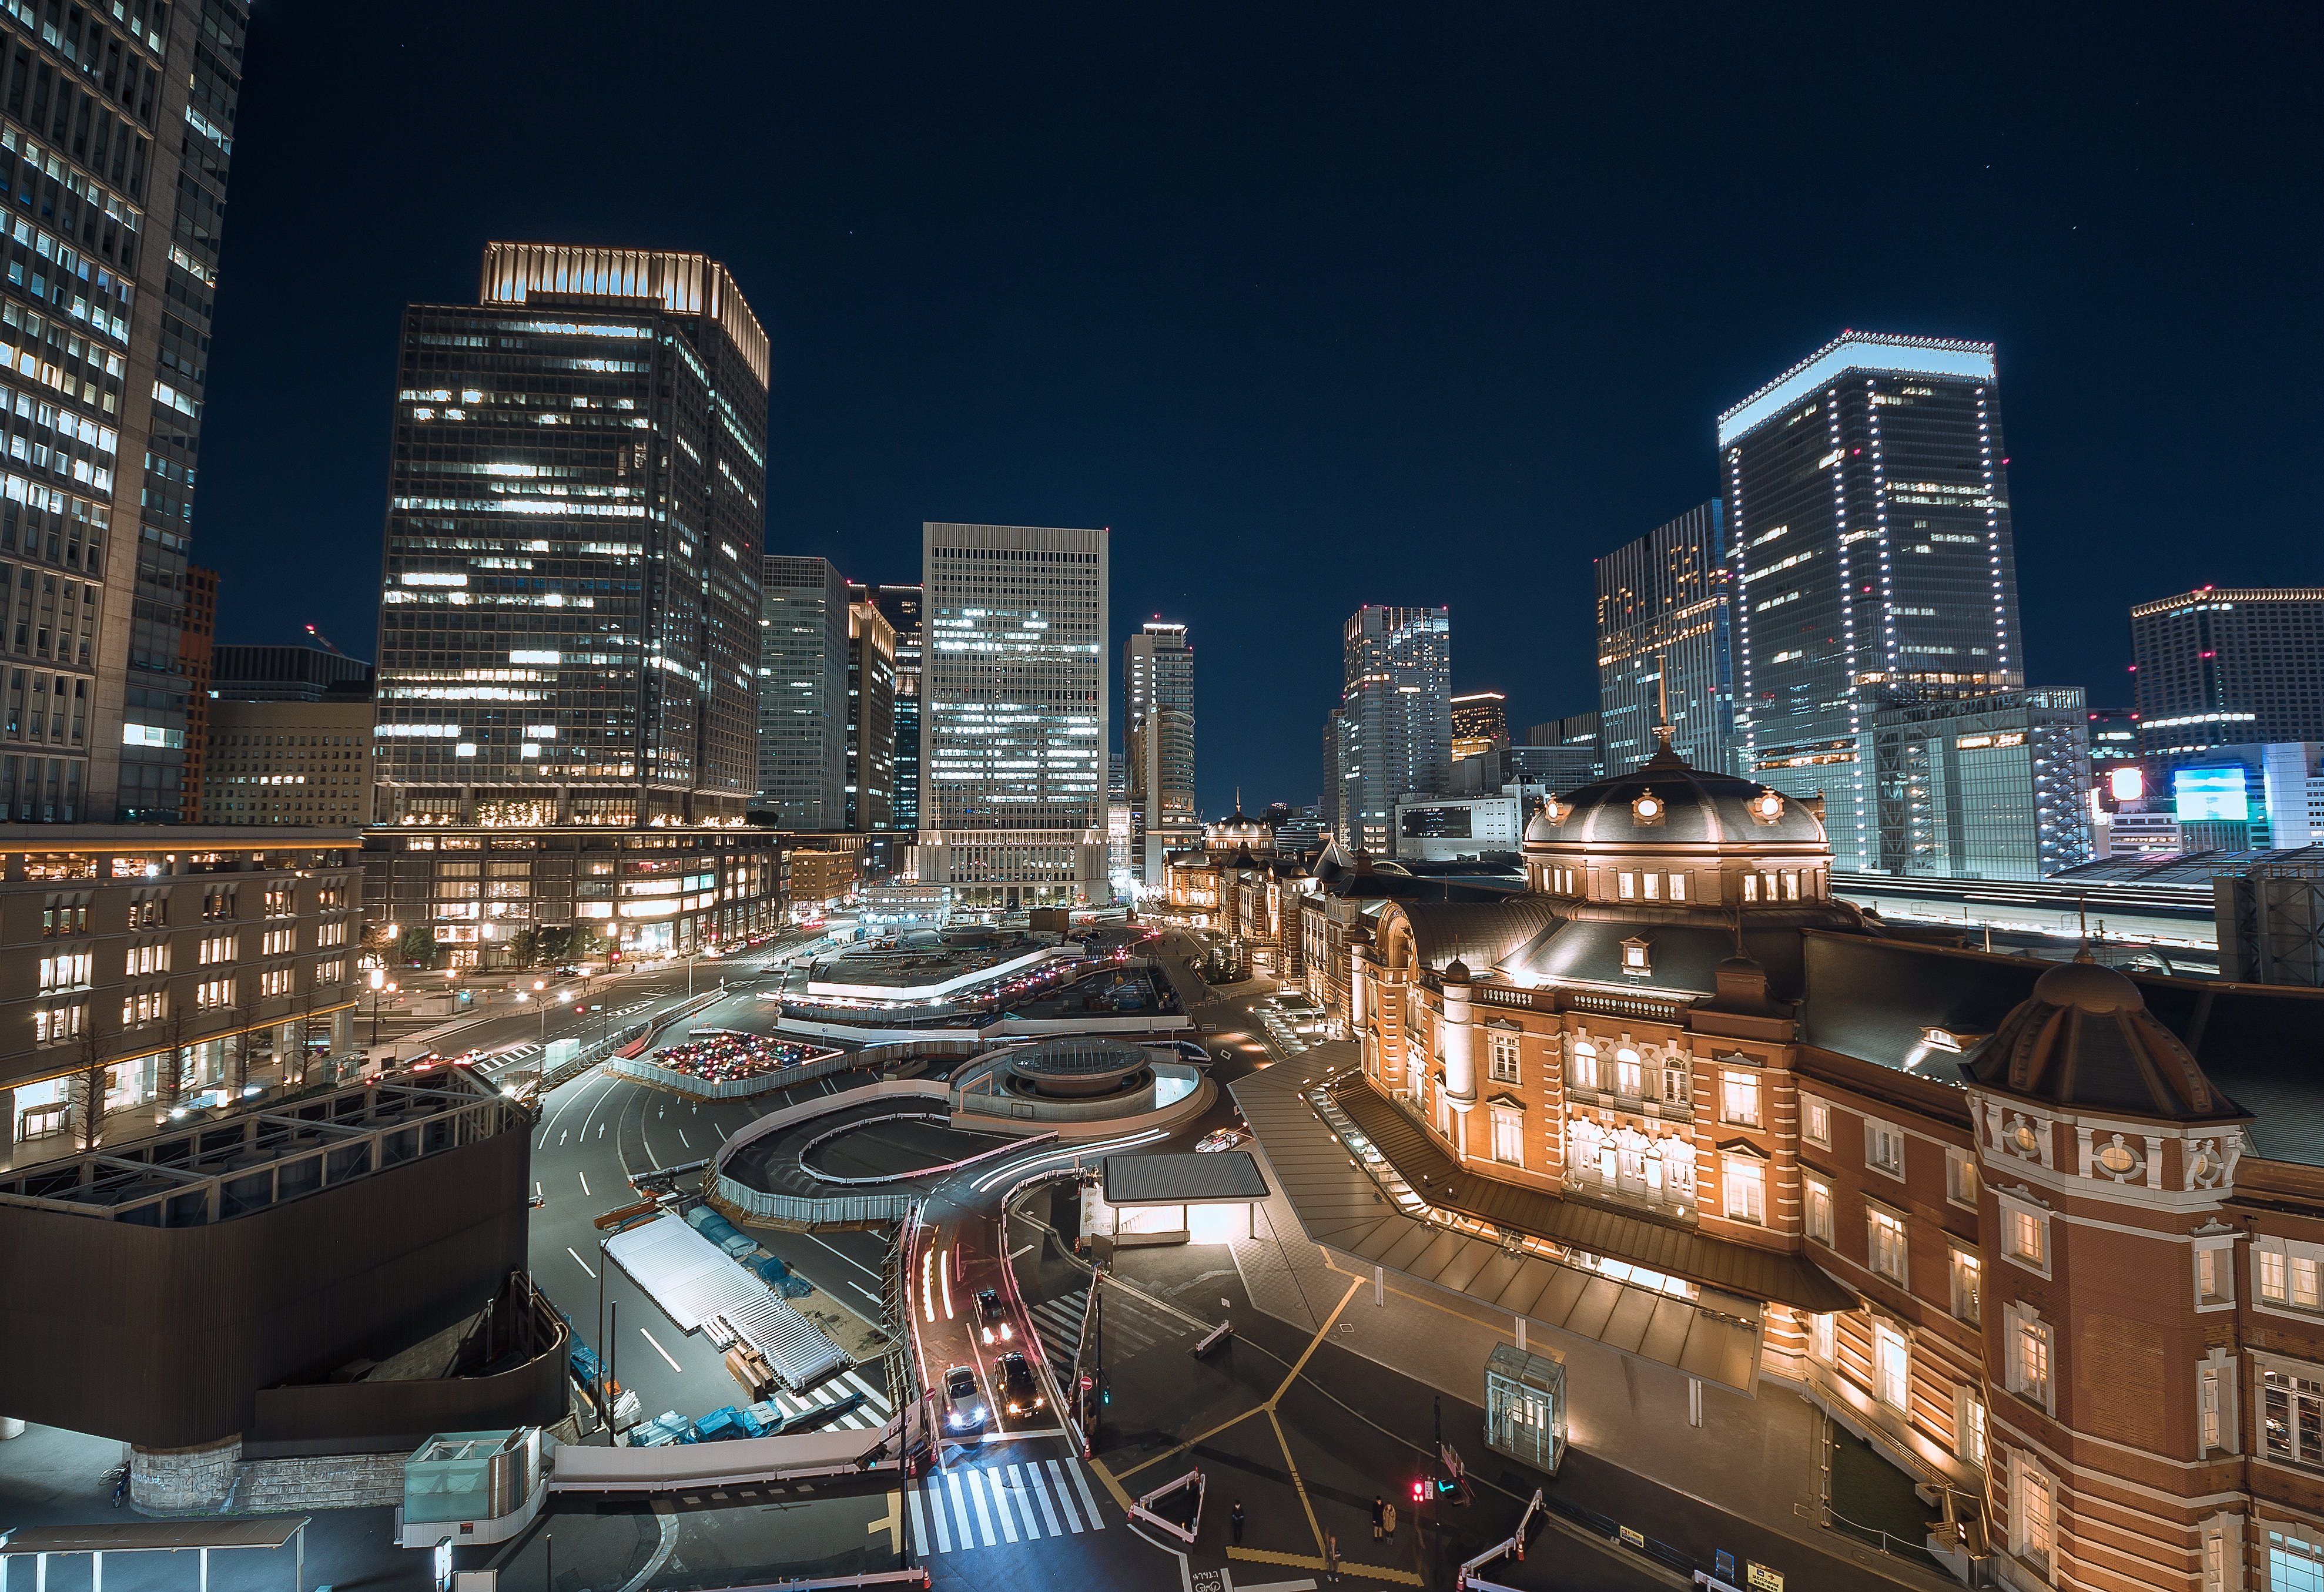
964	1406
995	1318
1018	1384
1225	1138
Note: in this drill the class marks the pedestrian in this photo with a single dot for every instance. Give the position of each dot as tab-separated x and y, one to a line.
1234	1521
1390	1522
1379	1516
1330	1556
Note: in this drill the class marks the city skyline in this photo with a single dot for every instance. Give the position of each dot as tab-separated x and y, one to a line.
992	357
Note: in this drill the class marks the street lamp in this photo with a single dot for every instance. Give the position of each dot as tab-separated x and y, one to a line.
380	985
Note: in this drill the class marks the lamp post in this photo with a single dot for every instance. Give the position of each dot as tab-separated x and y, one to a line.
380	985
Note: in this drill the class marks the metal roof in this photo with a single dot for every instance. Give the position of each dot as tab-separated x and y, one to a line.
1221	1177
156	1536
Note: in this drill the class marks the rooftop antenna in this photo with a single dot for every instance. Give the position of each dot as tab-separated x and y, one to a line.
2083	909
1663	730
330	646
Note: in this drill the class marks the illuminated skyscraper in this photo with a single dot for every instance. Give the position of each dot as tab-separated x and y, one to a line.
1157	708
1014	711
871	717
1481	724
2223	665
1396	717
901	605
1870	550
570	620
1663	645
804	639
114	139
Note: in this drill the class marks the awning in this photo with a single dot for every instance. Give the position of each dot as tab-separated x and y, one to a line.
1343	1209
1222	1177
156	1536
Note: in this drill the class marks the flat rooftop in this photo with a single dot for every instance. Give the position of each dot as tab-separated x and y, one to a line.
1224	1177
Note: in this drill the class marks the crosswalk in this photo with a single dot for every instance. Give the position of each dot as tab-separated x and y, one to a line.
875	1411
986	1506
1058	1324
1131	1325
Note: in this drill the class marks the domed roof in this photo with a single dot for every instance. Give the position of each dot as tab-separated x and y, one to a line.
1456	971
1665	802
2084	1039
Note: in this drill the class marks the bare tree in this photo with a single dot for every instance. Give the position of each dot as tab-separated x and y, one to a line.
92	1086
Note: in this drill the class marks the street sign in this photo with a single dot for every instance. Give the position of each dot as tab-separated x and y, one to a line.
1760	1578
1632	1537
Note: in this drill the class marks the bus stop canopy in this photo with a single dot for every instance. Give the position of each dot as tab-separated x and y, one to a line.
154	1536
1224	1177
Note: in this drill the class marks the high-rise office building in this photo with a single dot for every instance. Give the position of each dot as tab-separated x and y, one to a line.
1335	774
871	717
286	674
1664	643
570	618
1988	787
197	641
1395	711
804	635
115	138
1869	544
901	605
2226	664
1562	754
1014	711
1481	724
1157	711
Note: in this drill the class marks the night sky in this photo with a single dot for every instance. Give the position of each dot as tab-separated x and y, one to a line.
1313	307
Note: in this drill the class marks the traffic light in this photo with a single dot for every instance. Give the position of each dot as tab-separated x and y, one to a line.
1419	1492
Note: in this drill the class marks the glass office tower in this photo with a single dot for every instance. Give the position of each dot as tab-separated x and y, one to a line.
116	133
571	612
1396	717
2228	664
1664	643
1158	709
901	605
803	628
1014	711
871	717
1989	786
1869	544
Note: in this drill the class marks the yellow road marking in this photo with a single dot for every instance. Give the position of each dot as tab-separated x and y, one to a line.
893	1523
1298	1483
1111	1486
1201	1437
1312	1343
1375	1572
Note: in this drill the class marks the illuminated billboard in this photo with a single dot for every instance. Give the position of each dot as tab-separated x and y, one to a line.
2129	783
2204	795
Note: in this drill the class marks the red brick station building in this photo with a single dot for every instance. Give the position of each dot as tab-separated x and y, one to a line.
2049	1233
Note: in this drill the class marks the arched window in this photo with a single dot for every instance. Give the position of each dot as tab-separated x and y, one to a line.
1585	1064
1626	1078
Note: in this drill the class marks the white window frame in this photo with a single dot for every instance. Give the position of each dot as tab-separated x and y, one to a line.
2215	1403
1970	1433
2218	1255
1737	1175
1960	1177
1891	1368
1887	1230
1509	1124
2288	1277
1877	1133
1822	1338
1816	1200
2026	1480
1736	1086
1585	1064
1968	1263
1815	1121
2019	1218
2018	1320
1504	1056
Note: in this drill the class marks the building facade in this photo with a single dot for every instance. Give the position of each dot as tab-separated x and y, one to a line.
1014	704
286	674
2012	1222
805	633
571	583
1991	786
1394	718
902	607
1870	559
1438	828
1664	648
178	966
197	640
1562	753
304	764
1481	724
117	129
1158	709
2228	664
870	718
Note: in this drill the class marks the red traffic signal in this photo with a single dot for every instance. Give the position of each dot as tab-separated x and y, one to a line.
1420	1492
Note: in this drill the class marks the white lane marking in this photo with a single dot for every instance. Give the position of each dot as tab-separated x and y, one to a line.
867	1292
920	1525
537	1193
1081	1481
601	1130
684	1140
585	1184
661	1351
983	1514
1020	1253
1000	1505
577	1260
1041	1491
1025	1504
722	1129
1072	1516
604	1095
960	1511
851	1260
563	1137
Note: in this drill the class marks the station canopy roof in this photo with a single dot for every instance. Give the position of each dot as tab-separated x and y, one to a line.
1225	1177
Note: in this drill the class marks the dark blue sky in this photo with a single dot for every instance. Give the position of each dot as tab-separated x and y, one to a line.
1318	305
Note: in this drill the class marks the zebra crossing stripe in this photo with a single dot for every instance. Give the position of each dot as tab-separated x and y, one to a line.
1000	1506
920	1524
1065	1498
1097	1523
960	1509
1040	1490
1025	1504
983	1514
